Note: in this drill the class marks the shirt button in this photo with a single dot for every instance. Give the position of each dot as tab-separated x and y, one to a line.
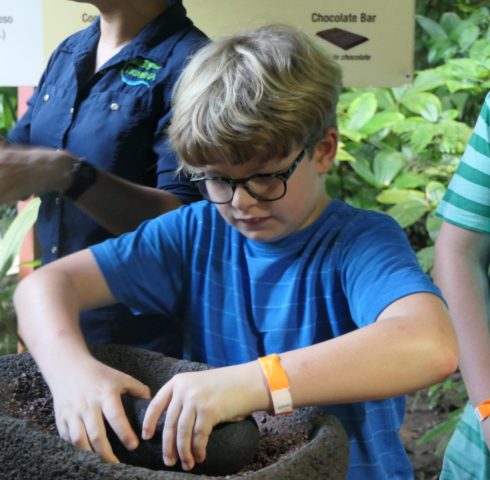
54	249
46	97
114	106
72	110
57	201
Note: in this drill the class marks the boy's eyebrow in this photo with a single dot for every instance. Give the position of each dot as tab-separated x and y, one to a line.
212	172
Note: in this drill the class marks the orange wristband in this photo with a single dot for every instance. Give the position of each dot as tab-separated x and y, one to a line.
278	383
482	410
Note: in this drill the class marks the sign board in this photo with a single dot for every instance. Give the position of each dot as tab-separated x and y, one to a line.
21	42
29	32
372	40
61	18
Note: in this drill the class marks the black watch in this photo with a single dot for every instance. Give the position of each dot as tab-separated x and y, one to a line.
84	176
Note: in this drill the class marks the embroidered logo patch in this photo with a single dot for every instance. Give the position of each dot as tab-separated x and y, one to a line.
139	71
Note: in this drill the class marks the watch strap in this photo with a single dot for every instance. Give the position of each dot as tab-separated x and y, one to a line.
84	176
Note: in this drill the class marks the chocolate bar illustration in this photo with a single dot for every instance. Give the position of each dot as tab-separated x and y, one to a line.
342	38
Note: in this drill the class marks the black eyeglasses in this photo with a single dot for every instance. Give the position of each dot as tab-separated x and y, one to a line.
265	187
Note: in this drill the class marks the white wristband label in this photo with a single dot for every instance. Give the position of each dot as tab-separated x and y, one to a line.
282	401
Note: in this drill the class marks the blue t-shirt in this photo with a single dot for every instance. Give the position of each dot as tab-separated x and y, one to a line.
115	119
239	299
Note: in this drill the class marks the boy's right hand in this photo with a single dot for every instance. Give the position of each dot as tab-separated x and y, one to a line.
86	396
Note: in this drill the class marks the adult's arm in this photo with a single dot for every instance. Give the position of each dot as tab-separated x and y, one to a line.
116	204
461	270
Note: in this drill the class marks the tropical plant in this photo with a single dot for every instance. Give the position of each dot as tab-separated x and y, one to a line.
400	146
10	245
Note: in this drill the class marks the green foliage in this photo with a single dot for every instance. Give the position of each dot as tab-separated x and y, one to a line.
8	108
442	432
400	146
10	245
12	231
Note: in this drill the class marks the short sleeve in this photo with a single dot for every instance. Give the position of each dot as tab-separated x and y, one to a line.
466	202
144	268
378	267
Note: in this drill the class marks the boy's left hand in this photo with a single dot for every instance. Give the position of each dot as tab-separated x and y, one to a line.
196	402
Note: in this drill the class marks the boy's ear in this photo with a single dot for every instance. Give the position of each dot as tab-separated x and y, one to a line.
326	150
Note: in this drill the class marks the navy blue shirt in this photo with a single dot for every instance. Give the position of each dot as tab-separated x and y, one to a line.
115	119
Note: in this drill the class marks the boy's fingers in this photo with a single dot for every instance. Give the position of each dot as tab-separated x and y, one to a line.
115	415
77	434
202	430
138	389
63	429
154	412
185	432
97	435
169	434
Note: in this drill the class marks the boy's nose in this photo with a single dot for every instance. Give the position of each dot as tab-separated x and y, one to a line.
242	199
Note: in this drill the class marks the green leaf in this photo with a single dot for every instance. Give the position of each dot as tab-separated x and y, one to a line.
446	427
465	34
425	256
409	212
344	156
361	167
433	29
381	121
449	22
394	196
12	241
433	225
434	192
480	50
352	135
361	111
386	166
425	104
417	131
429	79
409	180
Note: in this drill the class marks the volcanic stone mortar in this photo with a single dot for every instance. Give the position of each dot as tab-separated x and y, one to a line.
307	444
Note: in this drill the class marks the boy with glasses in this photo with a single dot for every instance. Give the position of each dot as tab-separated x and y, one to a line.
268	265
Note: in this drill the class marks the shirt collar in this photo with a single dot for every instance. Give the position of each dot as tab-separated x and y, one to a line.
154	42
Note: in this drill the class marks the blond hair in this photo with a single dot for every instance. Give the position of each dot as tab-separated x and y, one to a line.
255	95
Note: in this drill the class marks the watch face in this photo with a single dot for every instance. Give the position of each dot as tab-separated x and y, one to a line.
84	176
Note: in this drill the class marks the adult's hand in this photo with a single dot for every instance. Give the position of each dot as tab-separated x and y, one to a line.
26	171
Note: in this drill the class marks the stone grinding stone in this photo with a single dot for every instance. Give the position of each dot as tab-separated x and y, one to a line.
30	448
231	446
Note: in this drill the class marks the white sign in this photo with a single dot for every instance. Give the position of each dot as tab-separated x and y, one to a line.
21	42
373	40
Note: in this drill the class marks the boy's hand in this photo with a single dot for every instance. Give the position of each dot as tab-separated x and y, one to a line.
87	396
196	402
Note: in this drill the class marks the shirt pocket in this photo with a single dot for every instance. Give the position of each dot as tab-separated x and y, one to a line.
120	112
51	116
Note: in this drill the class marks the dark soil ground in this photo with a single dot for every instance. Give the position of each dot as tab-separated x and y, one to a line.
422	416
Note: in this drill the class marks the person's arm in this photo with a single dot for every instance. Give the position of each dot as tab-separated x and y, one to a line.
462	258
116	204
411	345
85	391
